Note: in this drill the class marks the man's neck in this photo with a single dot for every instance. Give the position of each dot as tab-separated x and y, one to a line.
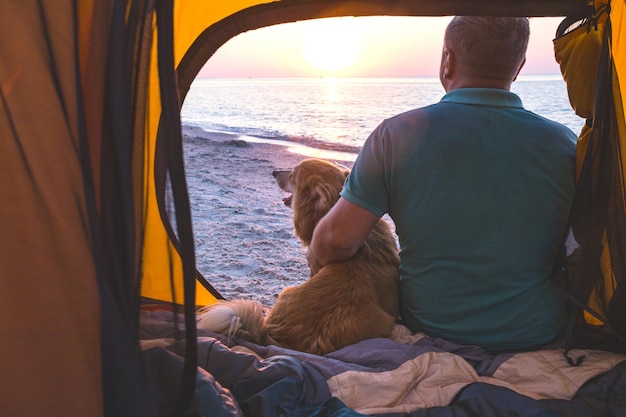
477	82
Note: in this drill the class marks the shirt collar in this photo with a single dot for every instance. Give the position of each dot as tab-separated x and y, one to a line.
484	97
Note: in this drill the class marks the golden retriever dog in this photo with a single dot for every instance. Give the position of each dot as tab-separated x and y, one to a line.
345	302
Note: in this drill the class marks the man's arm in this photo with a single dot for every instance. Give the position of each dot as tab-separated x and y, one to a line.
339	234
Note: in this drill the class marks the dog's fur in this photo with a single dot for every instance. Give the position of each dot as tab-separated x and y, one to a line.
343	303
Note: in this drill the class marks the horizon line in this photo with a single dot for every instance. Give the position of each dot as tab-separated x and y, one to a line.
521	76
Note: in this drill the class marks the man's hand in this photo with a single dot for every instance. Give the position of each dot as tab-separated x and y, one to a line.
314	265
339	234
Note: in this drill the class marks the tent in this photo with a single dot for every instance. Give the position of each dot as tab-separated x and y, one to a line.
90	97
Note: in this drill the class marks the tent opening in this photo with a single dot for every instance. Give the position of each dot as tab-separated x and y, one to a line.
268	98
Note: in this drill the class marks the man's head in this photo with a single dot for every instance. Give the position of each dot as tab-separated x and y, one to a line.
483	51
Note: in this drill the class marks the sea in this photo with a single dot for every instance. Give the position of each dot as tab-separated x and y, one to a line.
336	115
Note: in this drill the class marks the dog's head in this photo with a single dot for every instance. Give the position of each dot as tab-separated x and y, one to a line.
314	185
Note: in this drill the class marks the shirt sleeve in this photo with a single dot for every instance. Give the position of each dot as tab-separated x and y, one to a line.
366	186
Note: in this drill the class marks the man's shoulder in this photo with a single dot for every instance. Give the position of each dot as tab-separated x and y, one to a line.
413	114
557	128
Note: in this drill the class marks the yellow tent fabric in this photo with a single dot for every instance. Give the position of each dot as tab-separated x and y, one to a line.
594	80
84	232
617	259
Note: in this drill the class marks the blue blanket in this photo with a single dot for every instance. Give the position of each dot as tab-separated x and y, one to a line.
411	375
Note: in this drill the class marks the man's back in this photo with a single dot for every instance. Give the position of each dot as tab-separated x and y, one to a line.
479	189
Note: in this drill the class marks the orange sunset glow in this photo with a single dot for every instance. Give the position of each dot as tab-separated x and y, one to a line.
357	47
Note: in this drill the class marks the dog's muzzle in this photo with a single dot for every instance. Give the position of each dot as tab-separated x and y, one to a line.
281	176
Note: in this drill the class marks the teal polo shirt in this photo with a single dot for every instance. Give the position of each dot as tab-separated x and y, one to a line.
479	190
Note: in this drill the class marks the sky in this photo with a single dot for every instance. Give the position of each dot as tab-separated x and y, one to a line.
358	47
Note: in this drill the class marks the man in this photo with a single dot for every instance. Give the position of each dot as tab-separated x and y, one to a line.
479	190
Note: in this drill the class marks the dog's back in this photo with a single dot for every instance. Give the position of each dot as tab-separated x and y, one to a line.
344	303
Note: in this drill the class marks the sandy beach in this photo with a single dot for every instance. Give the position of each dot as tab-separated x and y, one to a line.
245	245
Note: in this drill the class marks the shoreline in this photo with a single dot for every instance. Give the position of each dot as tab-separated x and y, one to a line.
292	147
244	239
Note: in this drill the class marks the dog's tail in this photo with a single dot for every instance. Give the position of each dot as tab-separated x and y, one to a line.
242	318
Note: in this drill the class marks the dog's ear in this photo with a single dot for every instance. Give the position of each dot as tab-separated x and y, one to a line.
324	196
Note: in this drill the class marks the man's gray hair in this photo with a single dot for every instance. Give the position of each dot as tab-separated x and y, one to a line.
489	46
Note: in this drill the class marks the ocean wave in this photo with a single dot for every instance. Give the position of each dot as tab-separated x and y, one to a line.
258	135
320	144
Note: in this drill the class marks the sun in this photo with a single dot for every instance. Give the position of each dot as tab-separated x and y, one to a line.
333	45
